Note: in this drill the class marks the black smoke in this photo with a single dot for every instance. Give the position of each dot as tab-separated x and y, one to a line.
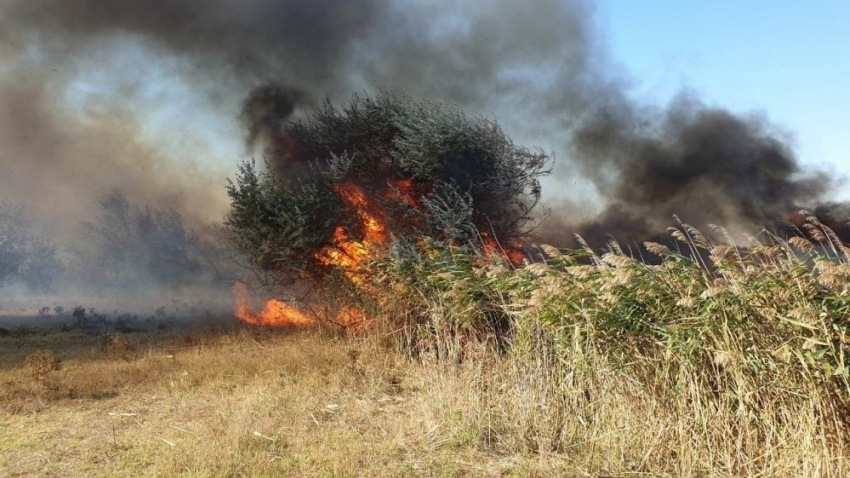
539	67
502	58
701	163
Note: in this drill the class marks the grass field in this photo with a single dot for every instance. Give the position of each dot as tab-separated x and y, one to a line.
235	402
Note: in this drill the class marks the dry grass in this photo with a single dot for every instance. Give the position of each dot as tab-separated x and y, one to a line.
716	361
41	364
242	403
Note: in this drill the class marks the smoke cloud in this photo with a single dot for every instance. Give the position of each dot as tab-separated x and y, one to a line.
488	58
703	164
538	67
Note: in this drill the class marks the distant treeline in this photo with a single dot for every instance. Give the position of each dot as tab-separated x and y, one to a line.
122	245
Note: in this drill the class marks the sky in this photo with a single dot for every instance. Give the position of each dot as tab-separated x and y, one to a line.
787	60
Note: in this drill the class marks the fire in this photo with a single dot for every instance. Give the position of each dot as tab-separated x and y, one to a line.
351	254
370	213
404	191
347	253
509	252
275	314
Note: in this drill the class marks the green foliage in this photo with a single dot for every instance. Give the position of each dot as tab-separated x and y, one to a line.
280	225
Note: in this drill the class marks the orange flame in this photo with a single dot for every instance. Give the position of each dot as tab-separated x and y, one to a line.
347	253
275	314
509	252
350	255
403	190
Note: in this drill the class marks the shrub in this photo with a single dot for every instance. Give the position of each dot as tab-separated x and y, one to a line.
41	364
429	168
26	256
79	315
117	345
21	331
712	356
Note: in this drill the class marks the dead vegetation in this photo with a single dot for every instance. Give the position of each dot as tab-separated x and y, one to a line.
41	364
246	403
117	345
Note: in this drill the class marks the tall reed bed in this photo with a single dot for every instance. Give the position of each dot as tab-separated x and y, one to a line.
696	359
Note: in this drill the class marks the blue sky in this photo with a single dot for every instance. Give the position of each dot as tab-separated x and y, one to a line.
789	60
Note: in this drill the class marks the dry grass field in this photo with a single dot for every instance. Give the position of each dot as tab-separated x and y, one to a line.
235	402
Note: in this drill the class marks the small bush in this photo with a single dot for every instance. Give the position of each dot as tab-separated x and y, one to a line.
41	363
117	346
462	174
80	315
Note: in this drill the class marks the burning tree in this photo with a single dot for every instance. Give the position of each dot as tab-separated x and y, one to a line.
344	183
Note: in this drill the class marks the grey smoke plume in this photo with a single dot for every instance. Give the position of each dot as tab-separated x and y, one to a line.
490	58
703	164
538	67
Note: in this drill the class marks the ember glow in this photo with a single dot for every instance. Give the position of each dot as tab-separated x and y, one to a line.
279	314
493	248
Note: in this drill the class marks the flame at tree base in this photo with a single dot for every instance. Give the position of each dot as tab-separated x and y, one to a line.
280	314
276	313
